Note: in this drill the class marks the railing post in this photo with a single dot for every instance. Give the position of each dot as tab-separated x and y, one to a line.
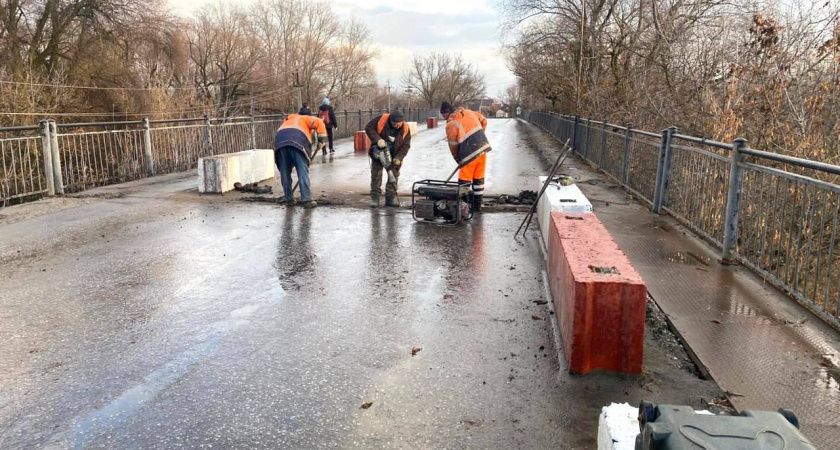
733	201
147	147
586	141
625	170
575	135
58	177
208	129
253	133
603	145
360	121
663	170
46	154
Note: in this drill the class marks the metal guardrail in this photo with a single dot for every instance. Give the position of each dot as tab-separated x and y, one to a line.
776	214
53	158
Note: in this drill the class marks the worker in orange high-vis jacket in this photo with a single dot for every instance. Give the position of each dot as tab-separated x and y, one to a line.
391	140
292	144
469	146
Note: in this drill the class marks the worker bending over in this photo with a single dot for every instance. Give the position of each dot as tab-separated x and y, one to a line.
391	139
292	145
468	145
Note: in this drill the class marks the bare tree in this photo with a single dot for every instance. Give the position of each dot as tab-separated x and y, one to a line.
223	52
442	77
350	67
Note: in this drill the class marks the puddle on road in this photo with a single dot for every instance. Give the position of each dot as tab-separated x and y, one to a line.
689	258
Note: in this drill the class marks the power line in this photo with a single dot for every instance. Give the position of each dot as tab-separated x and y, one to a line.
99	88
193	109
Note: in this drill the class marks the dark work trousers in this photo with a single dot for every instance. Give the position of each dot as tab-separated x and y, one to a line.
330	137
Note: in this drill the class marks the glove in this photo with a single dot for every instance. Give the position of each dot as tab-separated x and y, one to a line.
397	162
321	145
381	143
391	139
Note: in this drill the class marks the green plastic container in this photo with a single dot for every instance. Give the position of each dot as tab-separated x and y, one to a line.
670	427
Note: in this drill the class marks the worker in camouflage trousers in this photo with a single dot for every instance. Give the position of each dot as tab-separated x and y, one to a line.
391	140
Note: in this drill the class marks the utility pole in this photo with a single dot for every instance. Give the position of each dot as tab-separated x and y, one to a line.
388	88
410	93
299	88
580	57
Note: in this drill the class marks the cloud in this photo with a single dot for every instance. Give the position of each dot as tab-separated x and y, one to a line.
402	30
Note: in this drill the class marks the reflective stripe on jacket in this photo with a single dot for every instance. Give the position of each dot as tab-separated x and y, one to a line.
306	124
296	131
465	135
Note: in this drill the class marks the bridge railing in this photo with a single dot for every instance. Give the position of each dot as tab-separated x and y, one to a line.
55	158
776	214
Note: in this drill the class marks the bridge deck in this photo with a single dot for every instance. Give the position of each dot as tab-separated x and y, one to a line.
760	346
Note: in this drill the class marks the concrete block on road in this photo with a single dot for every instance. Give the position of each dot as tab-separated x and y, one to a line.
412	127
559	198
599	297
618	427
217	174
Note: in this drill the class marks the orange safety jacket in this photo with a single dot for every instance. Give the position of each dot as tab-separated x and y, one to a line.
380	127
375	129
306	124
465	135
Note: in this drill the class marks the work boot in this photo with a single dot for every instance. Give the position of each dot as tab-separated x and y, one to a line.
283	201
310	204
393	202
476	204
374	201
332	150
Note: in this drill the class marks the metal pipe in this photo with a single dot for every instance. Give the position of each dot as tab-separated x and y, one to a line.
98	124
733	201
46	153
808	164
147	147
663	171
58	176
703	141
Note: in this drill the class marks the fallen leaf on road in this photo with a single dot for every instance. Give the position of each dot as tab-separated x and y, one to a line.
541	302
535	317
415	350
447	296
367	405
472	422
716	321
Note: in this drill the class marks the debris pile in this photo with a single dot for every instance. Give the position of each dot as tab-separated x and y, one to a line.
523	198
252	187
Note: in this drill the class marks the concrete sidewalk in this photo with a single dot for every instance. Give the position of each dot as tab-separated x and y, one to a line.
760	346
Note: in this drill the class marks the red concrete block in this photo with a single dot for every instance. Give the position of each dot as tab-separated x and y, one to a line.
599	297
361	142
431	122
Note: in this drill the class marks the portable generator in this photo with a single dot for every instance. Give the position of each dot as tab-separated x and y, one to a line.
442	202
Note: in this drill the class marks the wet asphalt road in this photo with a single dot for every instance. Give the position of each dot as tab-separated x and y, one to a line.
151	317
511	165
161	319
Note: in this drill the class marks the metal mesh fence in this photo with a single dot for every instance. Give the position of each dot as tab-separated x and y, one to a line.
95	154
21	167
776	214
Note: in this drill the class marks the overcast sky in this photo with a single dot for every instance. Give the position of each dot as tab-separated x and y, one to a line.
401	31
